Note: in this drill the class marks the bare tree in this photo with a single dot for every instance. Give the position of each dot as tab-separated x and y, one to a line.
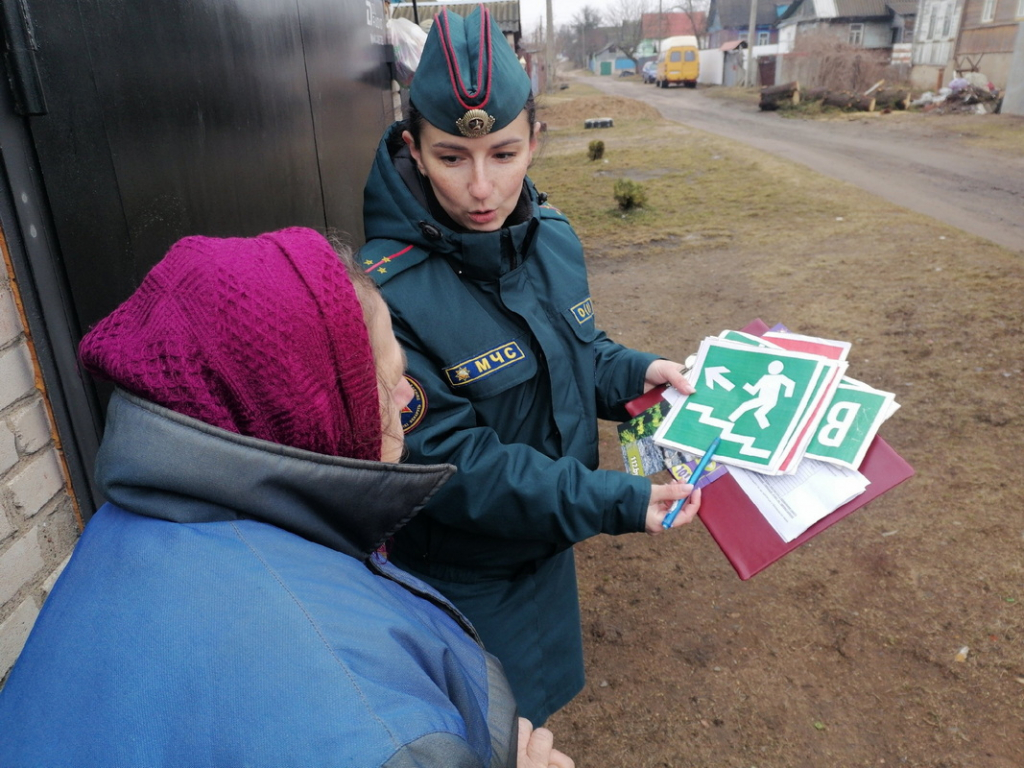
578	38
627	16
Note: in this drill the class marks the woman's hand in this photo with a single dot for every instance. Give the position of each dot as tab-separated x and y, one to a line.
536	748
666	372
662	499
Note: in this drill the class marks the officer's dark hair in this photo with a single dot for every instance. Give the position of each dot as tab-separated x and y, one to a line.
415	121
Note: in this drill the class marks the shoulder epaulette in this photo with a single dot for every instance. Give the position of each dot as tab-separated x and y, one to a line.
383	259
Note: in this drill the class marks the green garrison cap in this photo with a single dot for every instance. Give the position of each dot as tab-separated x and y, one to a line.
469	80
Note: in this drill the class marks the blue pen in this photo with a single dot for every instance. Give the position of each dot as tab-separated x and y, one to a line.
697	472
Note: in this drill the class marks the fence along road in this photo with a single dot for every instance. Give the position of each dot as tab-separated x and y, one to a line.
980	192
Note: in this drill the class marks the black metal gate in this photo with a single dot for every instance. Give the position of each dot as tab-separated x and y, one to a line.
131	124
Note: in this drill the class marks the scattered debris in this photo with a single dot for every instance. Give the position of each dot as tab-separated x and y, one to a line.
961	655
962	96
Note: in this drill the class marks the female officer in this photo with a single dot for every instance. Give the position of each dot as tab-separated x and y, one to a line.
488	292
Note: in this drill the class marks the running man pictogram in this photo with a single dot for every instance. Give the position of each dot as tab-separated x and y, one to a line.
766	392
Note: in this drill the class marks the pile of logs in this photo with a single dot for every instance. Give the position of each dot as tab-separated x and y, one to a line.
775	96
877	97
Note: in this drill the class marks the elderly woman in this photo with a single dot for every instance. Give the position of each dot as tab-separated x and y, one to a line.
226	607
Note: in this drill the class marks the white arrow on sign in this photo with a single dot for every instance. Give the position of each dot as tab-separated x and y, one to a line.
716	375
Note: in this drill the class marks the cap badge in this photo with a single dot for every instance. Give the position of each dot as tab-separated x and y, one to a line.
475	123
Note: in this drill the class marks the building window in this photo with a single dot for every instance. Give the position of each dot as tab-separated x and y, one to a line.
947	22
988	11
764	37
856	34
931	23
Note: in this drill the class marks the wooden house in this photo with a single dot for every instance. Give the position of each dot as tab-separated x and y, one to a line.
729	20
863	23
938	23
989	34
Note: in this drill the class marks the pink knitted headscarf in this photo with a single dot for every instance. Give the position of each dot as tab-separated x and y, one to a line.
262	336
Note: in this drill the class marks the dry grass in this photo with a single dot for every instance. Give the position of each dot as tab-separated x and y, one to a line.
703	191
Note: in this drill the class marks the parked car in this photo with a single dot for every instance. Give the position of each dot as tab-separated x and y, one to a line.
649	71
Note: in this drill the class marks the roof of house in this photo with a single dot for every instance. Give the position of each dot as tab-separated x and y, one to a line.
735	14
658	26
848	8
836	9
504	12
903	7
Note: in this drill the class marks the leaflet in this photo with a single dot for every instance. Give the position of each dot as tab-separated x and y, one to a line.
793	503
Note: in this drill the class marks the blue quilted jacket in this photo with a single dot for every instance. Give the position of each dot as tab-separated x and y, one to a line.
225	610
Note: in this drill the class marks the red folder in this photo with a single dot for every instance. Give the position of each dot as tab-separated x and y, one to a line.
741	531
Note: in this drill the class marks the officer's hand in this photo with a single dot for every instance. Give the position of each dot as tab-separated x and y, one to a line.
536	748
662	499
666	372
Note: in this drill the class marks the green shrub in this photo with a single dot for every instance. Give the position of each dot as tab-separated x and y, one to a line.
595	151
629	194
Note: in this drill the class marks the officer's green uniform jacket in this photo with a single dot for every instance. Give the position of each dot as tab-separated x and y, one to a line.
510	372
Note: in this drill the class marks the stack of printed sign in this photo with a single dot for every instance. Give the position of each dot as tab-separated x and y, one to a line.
775	400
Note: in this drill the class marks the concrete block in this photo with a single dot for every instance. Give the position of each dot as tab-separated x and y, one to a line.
17	375
8	449
20	564
5	522
14	633
10	320
32	427
38	482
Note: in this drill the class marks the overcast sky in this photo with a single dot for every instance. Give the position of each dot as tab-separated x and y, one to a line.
532	12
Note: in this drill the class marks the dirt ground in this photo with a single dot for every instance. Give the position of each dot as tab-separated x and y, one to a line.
844	653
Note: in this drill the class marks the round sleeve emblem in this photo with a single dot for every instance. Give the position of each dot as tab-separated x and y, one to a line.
414	412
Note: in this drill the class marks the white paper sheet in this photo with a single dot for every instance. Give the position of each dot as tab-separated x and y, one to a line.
793	503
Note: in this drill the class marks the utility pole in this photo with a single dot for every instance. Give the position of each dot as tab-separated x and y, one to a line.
750	79
550	48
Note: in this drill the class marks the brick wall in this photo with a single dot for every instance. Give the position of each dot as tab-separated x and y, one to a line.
39	522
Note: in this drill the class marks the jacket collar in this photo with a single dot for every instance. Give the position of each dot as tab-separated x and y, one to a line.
159	463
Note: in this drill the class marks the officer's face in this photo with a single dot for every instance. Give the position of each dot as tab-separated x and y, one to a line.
477	181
